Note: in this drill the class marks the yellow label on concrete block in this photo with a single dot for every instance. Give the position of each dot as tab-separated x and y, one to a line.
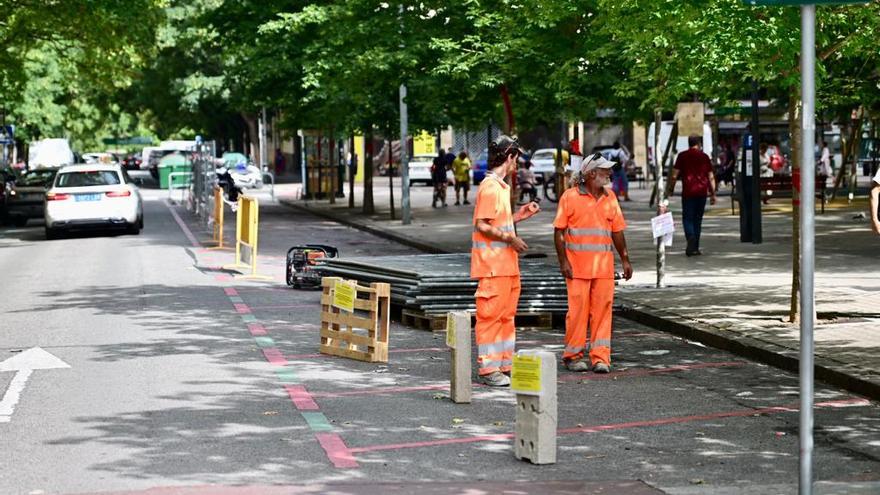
343	296
450	330
526	375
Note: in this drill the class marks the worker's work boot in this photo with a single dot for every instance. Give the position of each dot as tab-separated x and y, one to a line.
601	368
495	379
577	365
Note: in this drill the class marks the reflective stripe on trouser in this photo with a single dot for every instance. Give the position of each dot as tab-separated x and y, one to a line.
589	302
495	333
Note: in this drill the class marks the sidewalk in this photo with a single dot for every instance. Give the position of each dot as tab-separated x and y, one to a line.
733	297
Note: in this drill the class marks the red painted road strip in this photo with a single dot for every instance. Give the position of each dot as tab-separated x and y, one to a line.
230	291
188	233
301	398
242	308
613	426
287	306
256	329
222	278
339	454
381	391
275	356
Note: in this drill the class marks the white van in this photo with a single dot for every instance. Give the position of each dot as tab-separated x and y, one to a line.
680	144
50	153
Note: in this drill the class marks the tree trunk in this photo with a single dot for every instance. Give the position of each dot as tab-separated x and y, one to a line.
391	175
331	167
794	127
352	165
250	122
510	127
369	208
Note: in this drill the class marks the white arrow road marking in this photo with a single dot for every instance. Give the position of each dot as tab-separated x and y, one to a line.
24	365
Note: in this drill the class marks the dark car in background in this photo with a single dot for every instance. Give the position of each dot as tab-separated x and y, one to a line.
132	161
25	196
481	164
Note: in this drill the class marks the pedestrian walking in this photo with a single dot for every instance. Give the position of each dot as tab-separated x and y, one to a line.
619	179
697	183
461	167
495	249
588	223
875	202
438	176
280	162
526	181
823	167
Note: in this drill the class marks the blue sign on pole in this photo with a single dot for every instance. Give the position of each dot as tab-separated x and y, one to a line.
747	141
7	134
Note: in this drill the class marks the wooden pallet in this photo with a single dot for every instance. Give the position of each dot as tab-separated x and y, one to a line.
361	334
437	323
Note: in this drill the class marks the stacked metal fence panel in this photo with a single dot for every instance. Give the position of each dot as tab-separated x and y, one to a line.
438	283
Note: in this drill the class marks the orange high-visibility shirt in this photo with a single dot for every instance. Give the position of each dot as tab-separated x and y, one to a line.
490	257
588	222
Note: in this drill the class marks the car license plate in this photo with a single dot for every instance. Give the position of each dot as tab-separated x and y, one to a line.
88	197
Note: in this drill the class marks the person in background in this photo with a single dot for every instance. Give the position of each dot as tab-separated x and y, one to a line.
697	183
875	203
823	168
280	162
525	181
619	180
438	176
461	167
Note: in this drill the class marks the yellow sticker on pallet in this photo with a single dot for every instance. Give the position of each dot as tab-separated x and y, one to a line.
344	294
526	375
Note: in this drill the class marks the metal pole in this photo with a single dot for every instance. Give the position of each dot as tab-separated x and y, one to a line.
262	137
755	179
404	160
808	252
661	197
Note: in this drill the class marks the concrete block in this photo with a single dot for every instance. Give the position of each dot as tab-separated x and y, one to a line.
458	337
536	423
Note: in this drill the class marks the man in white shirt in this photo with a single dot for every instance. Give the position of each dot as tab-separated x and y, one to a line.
875	203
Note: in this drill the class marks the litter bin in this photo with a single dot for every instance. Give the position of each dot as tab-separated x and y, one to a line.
173	163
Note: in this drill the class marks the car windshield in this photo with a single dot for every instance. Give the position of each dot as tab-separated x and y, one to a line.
88	178
544	155
36	178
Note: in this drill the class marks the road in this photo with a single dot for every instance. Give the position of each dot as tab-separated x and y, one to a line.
163	371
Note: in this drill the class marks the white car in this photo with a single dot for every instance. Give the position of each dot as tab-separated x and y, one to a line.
93	197
420	169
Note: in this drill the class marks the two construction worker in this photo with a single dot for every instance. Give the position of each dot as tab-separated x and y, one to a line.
495	249
588	223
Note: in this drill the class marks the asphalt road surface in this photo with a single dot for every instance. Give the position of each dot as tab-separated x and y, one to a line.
130	363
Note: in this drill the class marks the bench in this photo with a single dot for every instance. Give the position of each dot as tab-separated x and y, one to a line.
783	184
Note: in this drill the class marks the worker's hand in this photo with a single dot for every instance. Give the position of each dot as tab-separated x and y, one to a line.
712	200
627	270
518	245
526	211
565	268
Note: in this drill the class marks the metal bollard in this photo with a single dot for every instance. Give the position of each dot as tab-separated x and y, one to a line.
458	337
534	381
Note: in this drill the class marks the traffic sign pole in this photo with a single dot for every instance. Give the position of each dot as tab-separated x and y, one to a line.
808	251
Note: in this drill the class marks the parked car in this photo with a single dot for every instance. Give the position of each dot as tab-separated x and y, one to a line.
24	197
544	163
99	157
132	161
93	197
480	166
420	169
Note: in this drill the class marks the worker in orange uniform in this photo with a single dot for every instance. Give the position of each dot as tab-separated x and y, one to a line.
495	263
588	222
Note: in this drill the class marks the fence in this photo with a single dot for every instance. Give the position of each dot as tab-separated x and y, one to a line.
204	178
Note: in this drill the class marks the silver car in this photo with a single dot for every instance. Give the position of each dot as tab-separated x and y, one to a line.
93	197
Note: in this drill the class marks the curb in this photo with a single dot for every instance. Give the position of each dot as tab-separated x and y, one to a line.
838	374
391	236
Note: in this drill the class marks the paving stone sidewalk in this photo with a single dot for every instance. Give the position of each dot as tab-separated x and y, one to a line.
736	296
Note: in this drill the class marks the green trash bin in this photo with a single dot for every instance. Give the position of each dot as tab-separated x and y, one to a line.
174	163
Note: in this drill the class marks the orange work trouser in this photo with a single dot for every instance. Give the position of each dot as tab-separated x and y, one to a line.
589	301
495	333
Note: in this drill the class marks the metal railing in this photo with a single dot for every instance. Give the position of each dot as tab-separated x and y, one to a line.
184	186
271	176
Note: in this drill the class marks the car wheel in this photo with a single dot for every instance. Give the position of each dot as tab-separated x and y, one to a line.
140	222
19	221
134	229
51	234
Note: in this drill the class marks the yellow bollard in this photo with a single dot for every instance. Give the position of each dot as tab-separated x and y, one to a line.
219	211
